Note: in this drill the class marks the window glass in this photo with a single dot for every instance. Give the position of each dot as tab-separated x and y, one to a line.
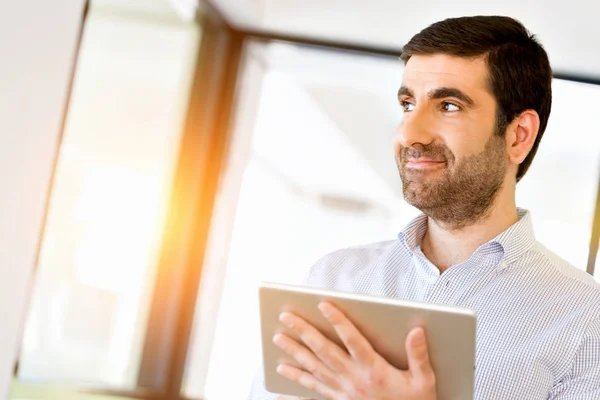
87	317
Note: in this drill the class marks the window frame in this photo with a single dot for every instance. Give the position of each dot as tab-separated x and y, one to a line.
202	147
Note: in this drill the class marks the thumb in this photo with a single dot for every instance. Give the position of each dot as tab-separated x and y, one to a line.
418	354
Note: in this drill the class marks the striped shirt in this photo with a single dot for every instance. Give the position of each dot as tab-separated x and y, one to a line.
538	318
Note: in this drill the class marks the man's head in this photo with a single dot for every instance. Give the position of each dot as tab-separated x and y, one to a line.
476	95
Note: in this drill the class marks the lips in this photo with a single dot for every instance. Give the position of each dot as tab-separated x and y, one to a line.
422	163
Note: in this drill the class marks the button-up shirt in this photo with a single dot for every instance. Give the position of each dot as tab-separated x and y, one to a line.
538	318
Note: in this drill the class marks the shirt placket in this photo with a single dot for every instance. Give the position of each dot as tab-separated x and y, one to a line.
438	292
453	283
429	274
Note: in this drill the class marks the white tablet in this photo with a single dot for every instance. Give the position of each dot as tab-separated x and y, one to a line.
385	322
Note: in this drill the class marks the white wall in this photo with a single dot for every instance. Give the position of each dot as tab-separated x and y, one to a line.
37	48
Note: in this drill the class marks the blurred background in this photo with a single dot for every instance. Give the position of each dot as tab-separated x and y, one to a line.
162	157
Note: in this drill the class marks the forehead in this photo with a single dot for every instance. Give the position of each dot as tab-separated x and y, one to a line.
426	72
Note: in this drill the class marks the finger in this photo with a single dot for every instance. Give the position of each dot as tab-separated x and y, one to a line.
328	352
305	379
306	359
357	345
419	363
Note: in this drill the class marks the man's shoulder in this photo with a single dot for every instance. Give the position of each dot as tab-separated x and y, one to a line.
363	253
564	274
365	250
349	261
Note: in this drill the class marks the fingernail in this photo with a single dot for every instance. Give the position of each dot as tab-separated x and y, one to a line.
418	338
287	319
325	309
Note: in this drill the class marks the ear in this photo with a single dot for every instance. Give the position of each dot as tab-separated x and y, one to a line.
521	135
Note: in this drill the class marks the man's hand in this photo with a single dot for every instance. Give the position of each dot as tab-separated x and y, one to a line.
358	374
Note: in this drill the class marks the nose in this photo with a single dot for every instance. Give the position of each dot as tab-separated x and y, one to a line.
415	128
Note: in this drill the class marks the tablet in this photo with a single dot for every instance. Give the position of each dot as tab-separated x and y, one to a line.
385	322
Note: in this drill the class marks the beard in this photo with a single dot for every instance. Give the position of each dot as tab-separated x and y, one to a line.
460	194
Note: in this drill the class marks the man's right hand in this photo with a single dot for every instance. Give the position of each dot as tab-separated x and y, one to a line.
290	398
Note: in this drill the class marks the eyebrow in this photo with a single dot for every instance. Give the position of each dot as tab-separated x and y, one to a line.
405	91
439	93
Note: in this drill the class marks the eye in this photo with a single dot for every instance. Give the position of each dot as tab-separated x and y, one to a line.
449	107
407	106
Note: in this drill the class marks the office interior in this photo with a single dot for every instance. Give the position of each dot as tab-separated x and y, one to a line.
161	158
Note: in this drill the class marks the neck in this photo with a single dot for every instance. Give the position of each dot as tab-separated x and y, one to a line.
445	246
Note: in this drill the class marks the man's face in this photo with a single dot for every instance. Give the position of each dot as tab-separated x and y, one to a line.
451	161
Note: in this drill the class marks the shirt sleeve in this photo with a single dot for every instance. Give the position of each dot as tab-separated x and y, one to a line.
583	381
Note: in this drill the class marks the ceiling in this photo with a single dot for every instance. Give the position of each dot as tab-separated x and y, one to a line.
569	30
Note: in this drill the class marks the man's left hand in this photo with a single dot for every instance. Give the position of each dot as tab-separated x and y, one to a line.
359	373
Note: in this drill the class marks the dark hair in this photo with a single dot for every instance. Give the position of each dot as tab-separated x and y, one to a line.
518	66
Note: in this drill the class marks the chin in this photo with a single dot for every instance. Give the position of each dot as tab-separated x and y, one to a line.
420	201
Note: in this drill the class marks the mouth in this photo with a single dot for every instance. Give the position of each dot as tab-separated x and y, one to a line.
423	164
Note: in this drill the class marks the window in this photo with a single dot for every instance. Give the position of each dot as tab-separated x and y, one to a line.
560	187
312	170
99	254
316	168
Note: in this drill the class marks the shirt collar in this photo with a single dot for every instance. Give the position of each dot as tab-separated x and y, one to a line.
518	238
515	241
414	232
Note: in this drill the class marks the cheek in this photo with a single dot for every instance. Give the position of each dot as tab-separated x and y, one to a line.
454	135
465	137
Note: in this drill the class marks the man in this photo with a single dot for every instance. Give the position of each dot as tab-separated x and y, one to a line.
476	97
